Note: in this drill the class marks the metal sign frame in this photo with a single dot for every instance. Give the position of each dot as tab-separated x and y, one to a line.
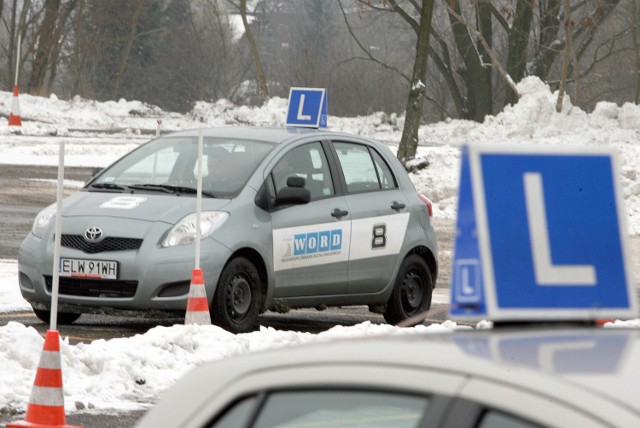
515	272
307	108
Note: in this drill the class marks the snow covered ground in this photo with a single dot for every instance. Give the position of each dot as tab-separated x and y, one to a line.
128	373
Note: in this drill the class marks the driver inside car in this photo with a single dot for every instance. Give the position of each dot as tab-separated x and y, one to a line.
219	170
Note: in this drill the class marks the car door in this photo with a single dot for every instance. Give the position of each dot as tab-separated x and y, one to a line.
379	215
310	241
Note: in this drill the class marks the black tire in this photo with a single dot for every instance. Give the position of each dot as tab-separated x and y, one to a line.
63	317
412	291
238	297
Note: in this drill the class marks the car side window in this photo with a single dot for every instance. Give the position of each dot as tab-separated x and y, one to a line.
237	415
364	169
387	180
326	408
496	419
309	162
333	408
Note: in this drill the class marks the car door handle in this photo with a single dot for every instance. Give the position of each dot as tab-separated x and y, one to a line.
339	213
397	205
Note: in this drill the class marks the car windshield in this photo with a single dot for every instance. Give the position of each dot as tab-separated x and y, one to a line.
170	165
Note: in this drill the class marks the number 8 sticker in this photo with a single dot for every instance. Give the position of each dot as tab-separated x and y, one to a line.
379	236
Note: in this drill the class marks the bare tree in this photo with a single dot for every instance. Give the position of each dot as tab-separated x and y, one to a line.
261	77
16	26
45	42
419	20
127	46
50	35
175	52
409	140
569	55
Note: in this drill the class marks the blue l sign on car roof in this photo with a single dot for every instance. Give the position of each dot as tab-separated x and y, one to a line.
541	235
307	107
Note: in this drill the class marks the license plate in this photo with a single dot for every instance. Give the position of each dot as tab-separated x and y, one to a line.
95	269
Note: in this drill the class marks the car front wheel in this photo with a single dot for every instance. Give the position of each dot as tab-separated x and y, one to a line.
237	300
412	291
63	317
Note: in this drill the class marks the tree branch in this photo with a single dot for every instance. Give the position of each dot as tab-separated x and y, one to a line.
365	50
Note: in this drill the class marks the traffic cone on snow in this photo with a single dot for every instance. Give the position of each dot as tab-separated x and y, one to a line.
46	405
14	117
197	306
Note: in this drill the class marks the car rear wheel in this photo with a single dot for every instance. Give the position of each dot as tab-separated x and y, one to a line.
412	291
237	300
63	317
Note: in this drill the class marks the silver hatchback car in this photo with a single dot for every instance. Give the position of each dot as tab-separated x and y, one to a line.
293	217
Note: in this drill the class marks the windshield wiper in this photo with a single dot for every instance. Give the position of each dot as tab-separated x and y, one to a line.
109	186
157	187
169	189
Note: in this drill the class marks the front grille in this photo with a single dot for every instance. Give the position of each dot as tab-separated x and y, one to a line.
93	287
107	244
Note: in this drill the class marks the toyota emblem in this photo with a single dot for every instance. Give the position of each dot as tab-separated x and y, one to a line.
93	234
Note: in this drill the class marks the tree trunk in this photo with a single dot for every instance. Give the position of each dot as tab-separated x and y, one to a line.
262	80
124	59
476	72
46	41
567	54
409	141
547	49
59	37
518	44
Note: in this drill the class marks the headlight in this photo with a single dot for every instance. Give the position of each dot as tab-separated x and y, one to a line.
184	232
42	220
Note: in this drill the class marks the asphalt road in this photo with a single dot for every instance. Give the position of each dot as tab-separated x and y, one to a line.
24	191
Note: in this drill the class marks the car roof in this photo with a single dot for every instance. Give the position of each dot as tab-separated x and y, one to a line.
268	134
602	360
590	366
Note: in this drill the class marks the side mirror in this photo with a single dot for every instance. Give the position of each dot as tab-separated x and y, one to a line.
294	193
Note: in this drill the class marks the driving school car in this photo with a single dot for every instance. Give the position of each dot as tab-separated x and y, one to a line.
295	217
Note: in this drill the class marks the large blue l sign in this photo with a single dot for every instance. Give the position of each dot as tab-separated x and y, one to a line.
307	107
541	235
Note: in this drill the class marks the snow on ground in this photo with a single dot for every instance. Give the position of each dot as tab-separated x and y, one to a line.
130	372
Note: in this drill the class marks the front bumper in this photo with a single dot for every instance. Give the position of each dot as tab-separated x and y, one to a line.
151	279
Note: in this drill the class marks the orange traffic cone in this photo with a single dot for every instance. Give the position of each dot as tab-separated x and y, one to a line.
46	405
14	117
197	306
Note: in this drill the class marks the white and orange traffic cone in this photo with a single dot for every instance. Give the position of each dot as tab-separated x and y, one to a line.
14	117
198	305
46	405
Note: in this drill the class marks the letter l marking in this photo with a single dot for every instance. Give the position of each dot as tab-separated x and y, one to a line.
548	274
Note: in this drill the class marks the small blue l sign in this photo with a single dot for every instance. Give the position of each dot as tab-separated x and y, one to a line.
307	107
541	235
